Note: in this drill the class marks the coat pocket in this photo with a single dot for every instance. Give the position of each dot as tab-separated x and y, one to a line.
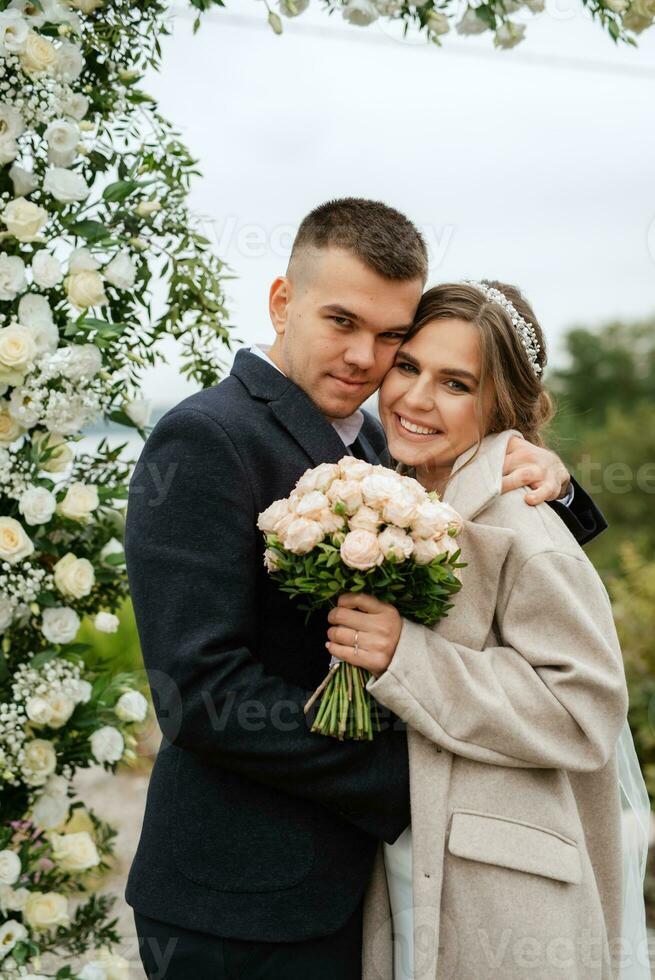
494	839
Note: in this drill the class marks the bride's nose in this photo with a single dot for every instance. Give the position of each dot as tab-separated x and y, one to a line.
420	396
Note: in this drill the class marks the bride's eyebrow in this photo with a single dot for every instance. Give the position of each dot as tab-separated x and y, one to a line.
402	355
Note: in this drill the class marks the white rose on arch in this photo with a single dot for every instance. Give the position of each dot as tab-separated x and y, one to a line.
121	271
60	624
69	61
13	32
75	105
50	810
61	707
46	270
85	289
8	149
138	410
10	428
81	361
65	185
37	505
17	352
12	123
106	622
15	545
107	744
131	707
24	219
38	55
23	180
10	867
46	910
11	932
62	136
75	852
39	761
80	500
12	276
74	577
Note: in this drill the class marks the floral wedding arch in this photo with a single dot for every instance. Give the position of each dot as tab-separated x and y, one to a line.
93	192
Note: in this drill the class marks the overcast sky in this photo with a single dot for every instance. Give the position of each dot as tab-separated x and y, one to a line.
534	165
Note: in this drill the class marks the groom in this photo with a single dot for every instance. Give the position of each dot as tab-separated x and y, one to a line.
259	836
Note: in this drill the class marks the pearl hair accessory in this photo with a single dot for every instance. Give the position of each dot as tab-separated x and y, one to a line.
525	330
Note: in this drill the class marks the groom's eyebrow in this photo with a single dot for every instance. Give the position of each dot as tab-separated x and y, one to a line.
342	311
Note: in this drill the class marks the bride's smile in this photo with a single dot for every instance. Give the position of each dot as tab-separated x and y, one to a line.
429	399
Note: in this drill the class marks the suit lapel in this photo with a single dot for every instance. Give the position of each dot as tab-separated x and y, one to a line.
291	407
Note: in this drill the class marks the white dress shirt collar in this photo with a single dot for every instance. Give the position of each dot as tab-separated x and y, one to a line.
347	429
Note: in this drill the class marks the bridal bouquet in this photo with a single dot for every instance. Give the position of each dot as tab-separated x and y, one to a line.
355	527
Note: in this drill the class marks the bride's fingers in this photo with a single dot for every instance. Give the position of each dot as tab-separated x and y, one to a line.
341	616
345	636
373	662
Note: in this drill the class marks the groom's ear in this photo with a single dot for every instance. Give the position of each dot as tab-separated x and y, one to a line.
278	303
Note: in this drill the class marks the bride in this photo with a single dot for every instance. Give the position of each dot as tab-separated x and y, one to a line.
526	853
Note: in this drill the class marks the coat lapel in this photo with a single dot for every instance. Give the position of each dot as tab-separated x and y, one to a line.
291	406
473	485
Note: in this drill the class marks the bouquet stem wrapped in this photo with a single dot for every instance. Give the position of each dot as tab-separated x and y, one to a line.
355	527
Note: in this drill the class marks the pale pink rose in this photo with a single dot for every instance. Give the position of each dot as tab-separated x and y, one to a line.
432	520
352	468
271	517
270	560
361	550
379	488
395	544
455	520
365	519
330	522
311	505
401	510
318	478
413	487
347	492
302	535
284	524
426	550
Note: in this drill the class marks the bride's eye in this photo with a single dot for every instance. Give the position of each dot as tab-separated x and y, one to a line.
405	368
460	385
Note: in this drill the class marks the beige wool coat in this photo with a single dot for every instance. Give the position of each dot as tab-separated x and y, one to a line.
514	704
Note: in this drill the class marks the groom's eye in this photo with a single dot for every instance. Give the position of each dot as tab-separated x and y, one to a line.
341	321
392	335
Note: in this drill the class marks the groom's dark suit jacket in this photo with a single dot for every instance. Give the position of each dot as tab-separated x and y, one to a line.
254	828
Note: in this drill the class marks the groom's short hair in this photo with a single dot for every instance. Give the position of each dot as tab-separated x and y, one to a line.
383	238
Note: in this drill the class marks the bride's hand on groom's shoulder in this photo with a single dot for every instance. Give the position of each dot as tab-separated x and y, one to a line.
542	470
375	626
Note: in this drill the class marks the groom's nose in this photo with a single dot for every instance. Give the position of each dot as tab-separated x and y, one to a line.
360	352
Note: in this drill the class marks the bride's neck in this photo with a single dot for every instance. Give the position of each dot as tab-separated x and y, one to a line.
433	478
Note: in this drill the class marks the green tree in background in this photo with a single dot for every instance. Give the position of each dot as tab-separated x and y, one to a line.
605	430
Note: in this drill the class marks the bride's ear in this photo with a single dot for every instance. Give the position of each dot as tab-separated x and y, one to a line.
278	304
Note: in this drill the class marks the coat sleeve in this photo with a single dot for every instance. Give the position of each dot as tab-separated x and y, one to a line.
583	518
554	695
193	554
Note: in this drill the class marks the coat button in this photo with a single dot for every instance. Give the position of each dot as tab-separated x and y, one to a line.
438	749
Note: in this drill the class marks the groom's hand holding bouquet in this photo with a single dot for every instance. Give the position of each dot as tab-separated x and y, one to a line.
350	528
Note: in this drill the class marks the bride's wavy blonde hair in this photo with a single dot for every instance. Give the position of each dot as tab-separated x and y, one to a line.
521	401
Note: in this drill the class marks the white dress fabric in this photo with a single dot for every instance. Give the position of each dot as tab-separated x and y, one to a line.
636	829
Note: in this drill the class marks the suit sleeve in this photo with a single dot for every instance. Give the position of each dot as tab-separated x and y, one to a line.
553	695
193	552
583	518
